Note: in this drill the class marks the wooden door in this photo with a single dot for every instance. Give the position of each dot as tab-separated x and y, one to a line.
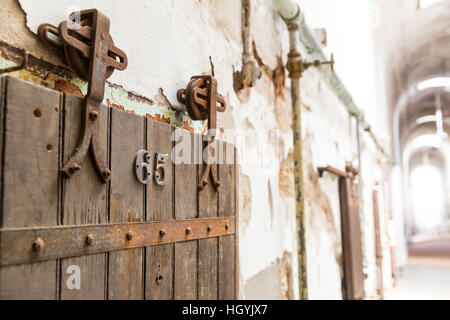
378	244
353	282
79	238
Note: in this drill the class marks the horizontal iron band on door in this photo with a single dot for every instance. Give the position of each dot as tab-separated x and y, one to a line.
25	245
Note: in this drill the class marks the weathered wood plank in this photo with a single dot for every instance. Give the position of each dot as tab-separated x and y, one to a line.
353	288
160	207
378	243
185	273
83	205
125	280
227	207
30	181
207	248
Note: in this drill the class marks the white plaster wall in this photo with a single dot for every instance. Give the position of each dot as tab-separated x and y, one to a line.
168	41
326	142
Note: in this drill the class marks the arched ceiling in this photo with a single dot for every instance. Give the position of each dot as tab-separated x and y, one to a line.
421	104
429	156
422	53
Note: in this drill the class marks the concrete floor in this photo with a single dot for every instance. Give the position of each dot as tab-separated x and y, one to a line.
427	276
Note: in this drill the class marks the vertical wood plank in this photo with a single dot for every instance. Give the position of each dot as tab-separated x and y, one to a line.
227	207
84	201
353	282
185	273
125	277
30	181
159	258
378	244
236	221
207	248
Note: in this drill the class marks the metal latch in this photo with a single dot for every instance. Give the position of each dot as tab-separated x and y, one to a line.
202	103
89	49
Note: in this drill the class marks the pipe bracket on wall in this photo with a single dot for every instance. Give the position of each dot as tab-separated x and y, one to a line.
350	172
250	73
202	103
88	48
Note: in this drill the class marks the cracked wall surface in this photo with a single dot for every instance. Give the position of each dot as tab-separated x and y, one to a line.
167	42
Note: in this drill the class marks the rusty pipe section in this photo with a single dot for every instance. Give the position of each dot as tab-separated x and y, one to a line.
292	15
250	73
295	74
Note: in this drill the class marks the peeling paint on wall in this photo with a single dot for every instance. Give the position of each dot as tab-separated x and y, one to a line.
43	73
273	283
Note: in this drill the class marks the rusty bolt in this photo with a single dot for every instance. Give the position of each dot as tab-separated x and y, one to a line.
159	278
89	239
188	230
226	226
75	167
106	174
129	236
93	115
38	244
162	233
208	229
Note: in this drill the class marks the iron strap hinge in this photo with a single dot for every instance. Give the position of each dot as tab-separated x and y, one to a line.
26	245
202	102
88	48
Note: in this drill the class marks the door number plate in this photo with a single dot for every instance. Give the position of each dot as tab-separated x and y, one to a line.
145	171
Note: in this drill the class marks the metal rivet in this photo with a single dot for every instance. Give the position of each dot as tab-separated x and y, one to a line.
93	115
129	235
208	229
89	239
38	244
226	226
37	112
159	278
106	173
188	230
162	233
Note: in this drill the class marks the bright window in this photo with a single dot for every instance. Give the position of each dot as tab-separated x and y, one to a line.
427	3
434	83
427	198
427	140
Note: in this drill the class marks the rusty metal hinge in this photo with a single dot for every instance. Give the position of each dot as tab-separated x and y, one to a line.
202	103
89	49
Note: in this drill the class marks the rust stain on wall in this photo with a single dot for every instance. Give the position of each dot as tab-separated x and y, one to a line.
277	75
287	281
275	282
286	177
68	87
315	196
158	117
